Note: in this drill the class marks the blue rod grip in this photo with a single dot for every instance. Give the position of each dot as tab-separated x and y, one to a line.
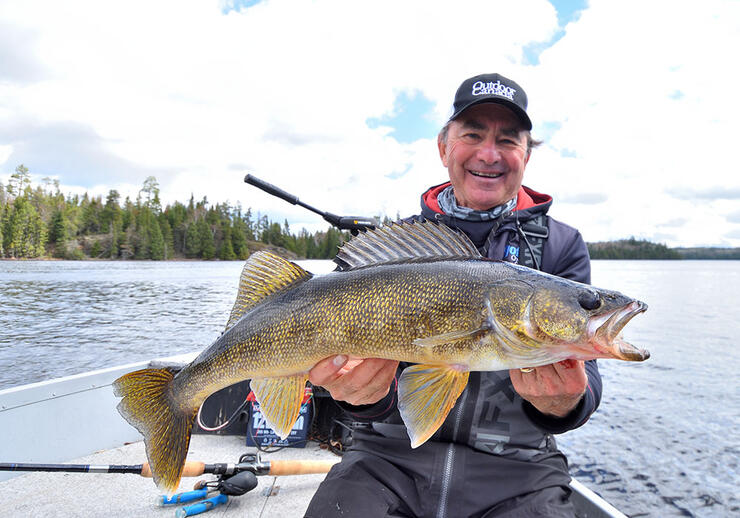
201	507
180	498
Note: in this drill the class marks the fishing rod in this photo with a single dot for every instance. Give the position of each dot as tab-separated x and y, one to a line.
234	479
351	223
247	462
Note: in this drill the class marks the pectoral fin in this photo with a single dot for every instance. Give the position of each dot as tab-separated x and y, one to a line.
426	394
280	400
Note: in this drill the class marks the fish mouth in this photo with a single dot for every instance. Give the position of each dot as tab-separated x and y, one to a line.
604	333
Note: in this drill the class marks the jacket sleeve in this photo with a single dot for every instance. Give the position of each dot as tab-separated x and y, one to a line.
571	261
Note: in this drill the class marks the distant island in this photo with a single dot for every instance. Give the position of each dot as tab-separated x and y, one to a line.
43	223
642	249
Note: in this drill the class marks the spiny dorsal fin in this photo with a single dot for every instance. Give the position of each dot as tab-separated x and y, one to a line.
263	275
404	242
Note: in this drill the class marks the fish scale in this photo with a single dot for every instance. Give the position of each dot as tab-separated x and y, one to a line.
434	302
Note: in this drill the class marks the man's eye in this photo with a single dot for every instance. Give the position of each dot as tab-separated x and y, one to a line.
471	136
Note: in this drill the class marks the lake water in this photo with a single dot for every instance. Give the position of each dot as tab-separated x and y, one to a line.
664	442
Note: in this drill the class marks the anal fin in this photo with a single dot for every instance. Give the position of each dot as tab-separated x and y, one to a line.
280	400
426	394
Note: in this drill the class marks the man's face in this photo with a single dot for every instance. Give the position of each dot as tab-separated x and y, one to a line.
485	154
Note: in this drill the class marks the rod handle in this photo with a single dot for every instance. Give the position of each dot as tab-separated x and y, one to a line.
191	469
300	467
271	189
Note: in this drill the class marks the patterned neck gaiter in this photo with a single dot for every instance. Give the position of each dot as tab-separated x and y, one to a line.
449	206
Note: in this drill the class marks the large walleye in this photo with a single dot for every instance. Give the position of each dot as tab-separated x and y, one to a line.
419	293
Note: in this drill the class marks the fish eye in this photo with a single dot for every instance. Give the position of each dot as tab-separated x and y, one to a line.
589	300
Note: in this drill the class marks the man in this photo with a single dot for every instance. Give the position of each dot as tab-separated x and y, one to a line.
494	455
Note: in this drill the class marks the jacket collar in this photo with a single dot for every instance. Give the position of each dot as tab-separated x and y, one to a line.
526	199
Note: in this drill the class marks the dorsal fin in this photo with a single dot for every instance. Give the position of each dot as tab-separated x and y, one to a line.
404	242
264	274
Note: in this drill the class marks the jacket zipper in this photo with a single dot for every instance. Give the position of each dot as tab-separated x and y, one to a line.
449	459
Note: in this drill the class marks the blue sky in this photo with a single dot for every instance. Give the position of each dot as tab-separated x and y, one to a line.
413	117
567	11
340	102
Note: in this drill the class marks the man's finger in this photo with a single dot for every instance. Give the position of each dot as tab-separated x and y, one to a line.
327	370
367	383
570	371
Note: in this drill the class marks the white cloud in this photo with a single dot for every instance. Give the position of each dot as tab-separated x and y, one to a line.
284	89
612	82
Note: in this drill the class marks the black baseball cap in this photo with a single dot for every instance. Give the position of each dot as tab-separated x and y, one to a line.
492	88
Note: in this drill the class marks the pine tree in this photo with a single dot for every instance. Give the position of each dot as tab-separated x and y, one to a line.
227	248
207	246
18	181
58	233
57	228
249	231
24	233
156	241
150	190
168	241
192	246
239	239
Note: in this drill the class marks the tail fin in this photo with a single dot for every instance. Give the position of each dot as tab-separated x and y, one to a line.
166	428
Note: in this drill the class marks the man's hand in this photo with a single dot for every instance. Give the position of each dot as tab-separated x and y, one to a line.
356	381
552	389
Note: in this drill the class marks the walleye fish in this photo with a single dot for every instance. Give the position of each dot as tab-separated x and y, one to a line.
414	292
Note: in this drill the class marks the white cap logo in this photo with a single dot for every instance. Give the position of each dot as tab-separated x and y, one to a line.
481	88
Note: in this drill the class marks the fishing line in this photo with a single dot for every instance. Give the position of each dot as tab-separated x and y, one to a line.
225	423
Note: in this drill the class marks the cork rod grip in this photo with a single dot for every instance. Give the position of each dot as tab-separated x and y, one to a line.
300	467
191	469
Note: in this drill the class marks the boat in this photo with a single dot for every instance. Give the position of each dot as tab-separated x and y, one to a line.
74	420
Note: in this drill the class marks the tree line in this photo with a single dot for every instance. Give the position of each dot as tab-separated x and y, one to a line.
631	249
642	249
40	222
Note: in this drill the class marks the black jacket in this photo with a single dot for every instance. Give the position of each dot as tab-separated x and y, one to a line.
491	428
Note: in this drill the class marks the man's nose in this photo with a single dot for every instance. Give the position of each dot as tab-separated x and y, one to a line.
488	152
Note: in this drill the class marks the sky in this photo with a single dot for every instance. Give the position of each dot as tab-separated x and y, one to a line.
339	102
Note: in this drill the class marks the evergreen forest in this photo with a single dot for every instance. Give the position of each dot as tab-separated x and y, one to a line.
42	222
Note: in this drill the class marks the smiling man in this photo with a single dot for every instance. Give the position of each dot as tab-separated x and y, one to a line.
495	455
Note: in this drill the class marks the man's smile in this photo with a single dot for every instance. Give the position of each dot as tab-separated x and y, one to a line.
484	174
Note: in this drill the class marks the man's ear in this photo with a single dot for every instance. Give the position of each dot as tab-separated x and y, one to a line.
442	147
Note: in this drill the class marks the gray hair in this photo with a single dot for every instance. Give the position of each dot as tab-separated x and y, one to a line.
531	142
